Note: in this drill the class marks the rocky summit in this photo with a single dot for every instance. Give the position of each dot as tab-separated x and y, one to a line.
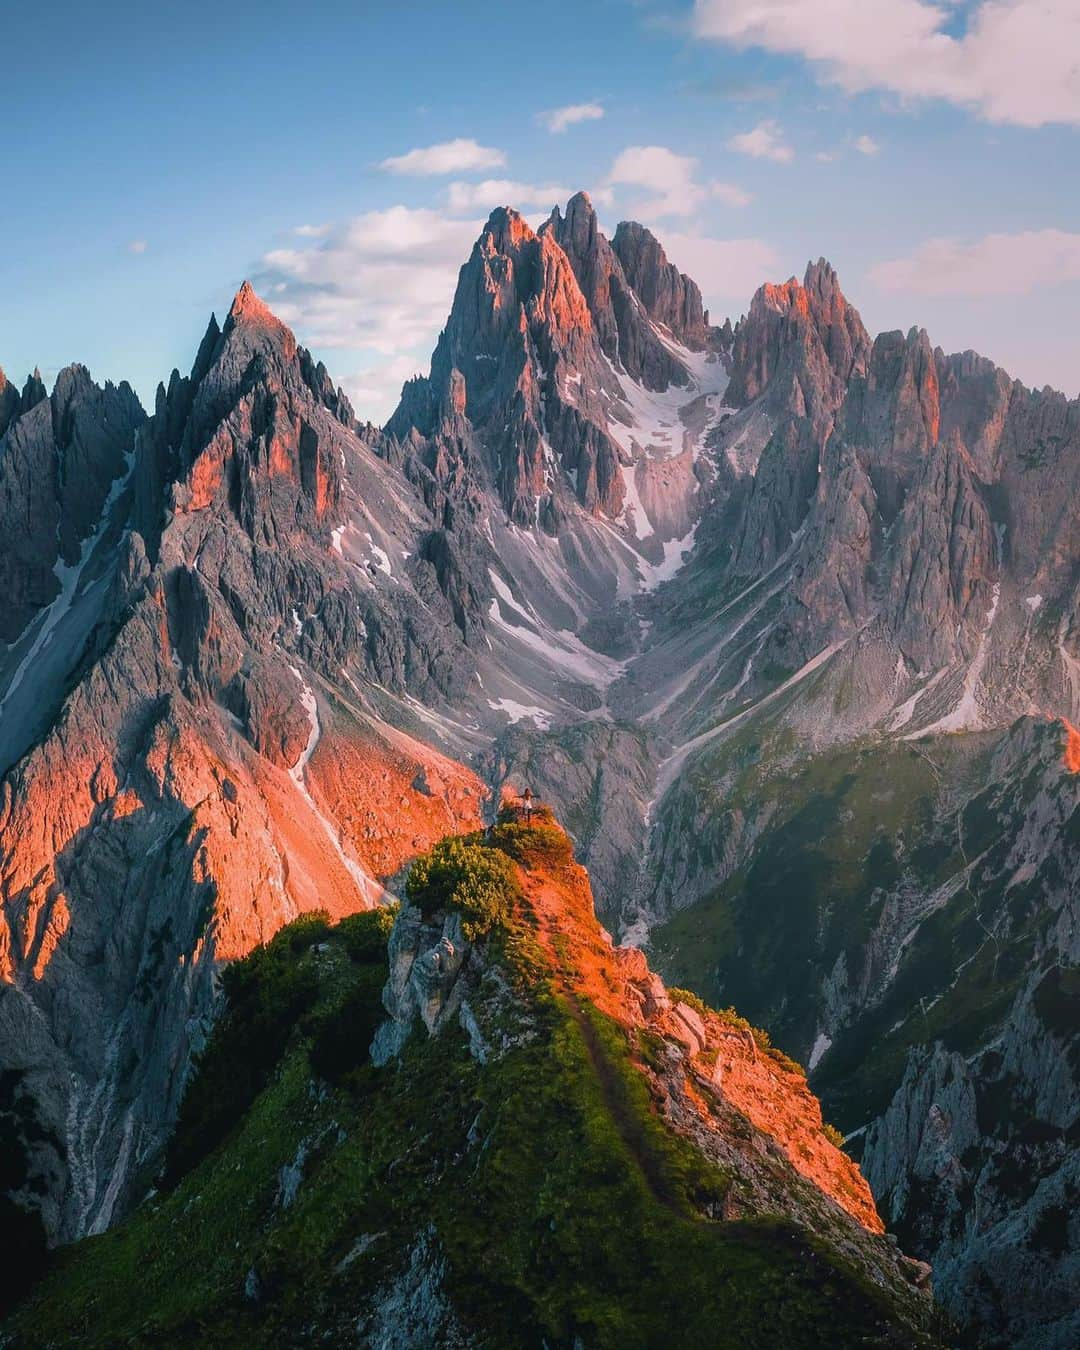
783	623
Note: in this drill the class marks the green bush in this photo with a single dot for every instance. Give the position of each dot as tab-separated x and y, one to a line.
341	1034
691	1000
833	1135
463	875
365	935
341	1038
538	844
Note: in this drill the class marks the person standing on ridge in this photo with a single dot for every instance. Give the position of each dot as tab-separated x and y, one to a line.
527	804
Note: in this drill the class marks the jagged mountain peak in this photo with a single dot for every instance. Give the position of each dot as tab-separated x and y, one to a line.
505	231
249	307
250	314
34	391
558	372
670	296
808	334
580	215
820	276
14	404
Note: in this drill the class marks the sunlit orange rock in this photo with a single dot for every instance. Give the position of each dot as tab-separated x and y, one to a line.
1072	747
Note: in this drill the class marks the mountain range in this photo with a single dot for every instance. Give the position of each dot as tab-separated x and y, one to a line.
781	620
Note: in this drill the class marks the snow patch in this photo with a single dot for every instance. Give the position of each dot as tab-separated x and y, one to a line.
69	579
967	715
676	552
369	888
310	705
382	560
633	513
821	1048
517	712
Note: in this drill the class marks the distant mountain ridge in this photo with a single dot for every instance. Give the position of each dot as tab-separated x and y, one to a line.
700	585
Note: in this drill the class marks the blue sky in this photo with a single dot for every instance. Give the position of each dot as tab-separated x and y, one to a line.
155	156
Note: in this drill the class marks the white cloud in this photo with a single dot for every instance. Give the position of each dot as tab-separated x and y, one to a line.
672	178
557	120
492	192
730	194
866	145
311	231
825	156
375	389
137	246
725	269
766	141
458	156
998	264
381	285
1015	60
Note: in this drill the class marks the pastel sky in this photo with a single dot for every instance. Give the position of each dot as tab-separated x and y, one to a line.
345	155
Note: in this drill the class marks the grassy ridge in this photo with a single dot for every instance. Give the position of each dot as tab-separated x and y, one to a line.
561	1204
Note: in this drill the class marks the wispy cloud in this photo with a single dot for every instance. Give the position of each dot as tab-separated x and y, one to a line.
765	141
1015	60
866	145
997	264
727	270
672	179
457	156
558	120
380	285
137	246
492	192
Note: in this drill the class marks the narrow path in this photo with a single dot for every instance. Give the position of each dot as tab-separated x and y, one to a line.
568	974
630	1128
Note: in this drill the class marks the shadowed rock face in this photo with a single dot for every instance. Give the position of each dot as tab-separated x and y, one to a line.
59	458
268	648
669	296
619	311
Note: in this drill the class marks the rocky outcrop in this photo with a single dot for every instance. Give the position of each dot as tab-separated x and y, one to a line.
427	978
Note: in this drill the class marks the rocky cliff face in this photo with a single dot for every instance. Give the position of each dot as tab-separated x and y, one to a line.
782	619
61	457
